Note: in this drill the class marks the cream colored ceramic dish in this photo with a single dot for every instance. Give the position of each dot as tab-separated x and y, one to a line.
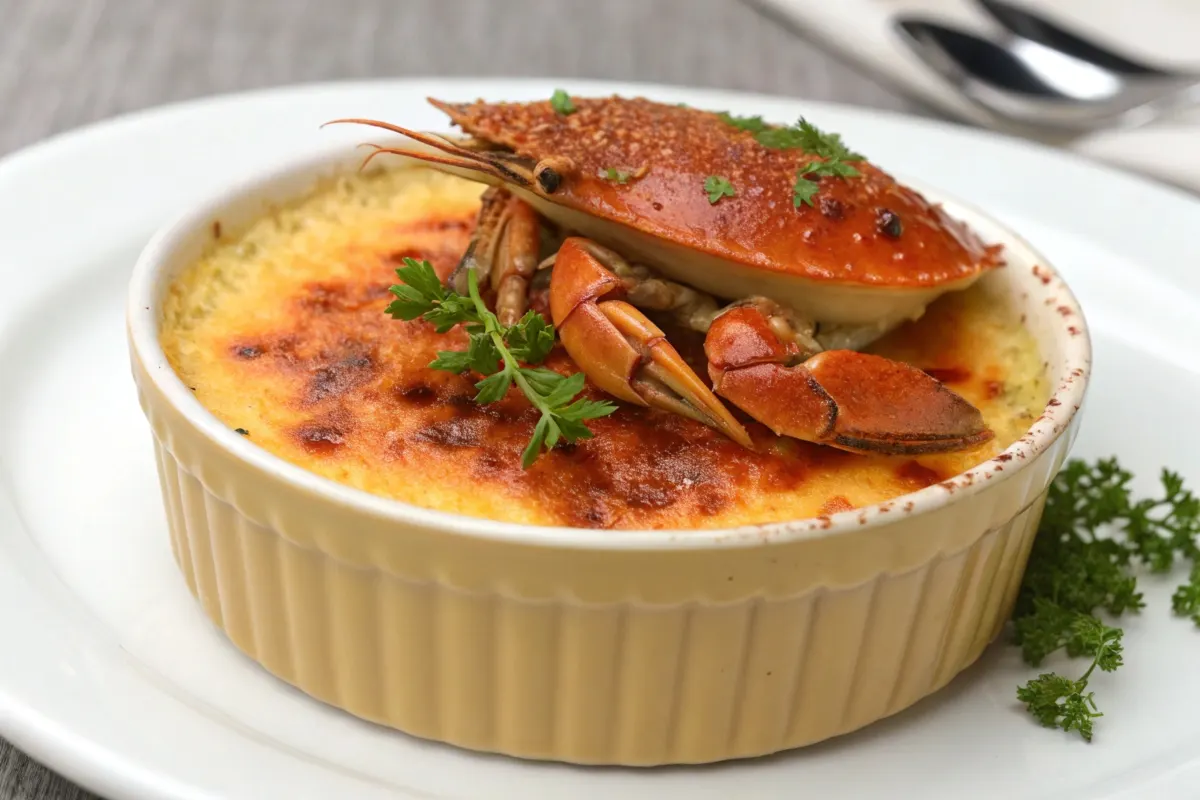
600	647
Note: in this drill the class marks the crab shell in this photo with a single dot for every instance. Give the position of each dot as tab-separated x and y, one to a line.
870	251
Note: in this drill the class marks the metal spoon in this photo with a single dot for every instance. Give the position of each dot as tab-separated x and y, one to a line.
1039	76
1036	28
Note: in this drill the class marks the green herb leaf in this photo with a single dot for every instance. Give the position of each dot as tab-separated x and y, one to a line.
803	191
542	380
493	387
531	339
1092	534
752	124
826	145
420	277
1185	602
561	102
801	136
451	361
717	187
421	294
571	418
553	432
584	408
614	174
496	352
564	391
409	304
805	187
454	310
536	442
780	138
482	354
1058	702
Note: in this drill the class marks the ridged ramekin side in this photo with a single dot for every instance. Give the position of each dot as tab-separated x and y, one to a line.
625	682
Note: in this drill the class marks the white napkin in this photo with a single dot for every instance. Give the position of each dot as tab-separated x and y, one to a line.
1161	32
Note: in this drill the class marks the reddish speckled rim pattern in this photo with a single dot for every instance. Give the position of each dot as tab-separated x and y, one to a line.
1036	279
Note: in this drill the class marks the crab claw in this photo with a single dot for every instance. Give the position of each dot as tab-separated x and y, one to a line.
622	351
850	400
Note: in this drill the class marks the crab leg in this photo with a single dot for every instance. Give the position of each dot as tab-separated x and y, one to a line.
481	249
622	351
853	401
503	251
516	261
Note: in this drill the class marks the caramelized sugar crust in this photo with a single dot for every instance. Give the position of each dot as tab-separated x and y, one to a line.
281	332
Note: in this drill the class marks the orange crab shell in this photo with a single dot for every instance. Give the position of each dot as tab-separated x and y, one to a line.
666	152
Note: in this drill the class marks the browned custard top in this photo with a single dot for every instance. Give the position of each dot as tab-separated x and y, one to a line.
281	333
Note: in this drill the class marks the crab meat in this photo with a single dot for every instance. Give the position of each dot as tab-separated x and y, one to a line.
805	286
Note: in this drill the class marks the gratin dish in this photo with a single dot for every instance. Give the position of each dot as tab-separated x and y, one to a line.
596	647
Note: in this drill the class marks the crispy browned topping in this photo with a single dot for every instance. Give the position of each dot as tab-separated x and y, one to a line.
359	379
916	476
668	151
320	375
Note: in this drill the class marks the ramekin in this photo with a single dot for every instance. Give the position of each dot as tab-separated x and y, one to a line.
594	647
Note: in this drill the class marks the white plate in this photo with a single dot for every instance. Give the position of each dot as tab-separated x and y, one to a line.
110	673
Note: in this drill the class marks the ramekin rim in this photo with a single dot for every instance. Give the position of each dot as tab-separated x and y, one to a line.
1064	403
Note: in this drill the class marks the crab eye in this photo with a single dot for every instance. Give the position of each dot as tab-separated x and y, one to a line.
548	179
550	172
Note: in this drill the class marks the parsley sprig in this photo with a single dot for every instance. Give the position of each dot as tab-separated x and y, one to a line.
832	155
497	352
801	136
1092	536
752	124
1059	702
827	146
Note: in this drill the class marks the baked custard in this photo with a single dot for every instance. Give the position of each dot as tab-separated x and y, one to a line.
281	333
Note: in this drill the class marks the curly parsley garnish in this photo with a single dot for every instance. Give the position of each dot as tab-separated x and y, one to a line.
561	102
496	352
832	153
827	146
1092	534
1059	702
717	187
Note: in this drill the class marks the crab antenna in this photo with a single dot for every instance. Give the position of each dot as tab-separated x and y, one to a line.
459	157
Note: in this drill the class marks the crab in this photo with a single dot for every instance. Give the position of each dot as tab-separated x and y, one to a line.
787	293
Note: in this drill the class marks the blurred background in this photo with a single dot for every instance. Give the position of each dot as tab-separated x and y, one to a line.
65	63
1067	75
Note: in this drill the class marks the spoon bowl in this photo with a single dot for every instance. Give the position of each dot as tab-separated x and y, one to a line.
1037	75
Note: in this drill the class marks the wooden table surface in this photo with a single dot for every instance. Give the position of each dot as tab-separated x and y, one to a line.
64	63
